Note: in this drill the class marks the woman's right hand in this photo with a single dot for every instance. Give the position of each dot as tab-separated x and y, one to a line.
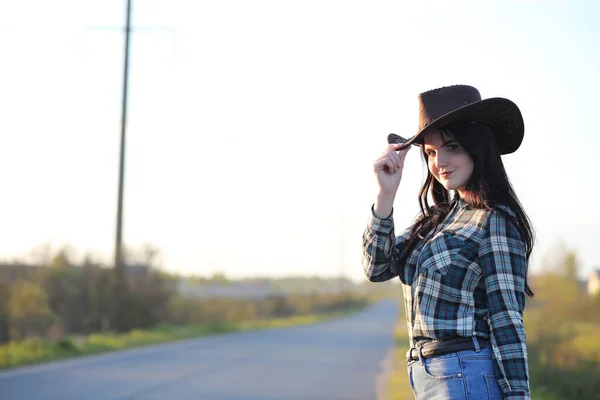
388	169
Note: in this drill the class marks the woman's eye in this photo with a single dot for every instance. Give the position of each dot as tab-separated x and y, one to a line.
452	147
430	153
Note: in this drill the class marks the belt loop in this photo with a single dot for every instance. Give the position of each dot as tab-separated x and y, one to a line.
476	343
420	349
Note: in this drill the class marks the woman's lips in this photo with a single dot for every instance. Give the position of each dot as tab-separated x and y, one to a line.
446	174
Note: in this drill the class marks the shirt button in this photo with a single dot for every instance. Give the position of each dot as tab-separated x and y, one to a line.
459	375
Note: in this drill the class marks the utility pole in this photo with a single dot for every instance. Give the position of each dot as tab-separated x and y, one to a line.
342	248
118	246
120	283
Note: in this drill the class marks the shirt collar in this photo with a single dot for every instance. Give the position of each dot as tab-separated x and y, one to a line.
458	203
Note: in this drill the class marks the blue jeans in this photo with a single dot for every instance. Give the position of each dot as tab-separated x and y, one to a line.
463	375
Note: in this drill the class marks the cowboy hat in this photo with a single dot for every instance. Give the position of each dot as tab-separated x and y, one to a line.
461	103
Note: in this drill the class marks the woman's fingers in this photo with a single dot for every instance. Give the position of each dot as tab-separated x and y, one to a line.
402	154
392	158
391	166
397	146
395	158
388	168
383	162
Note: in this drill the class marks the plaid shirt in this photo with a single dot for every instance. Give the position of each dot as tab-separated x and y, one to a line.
465	279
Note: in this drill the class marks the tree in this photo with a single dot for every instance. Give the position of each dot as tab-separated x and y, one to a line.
28	310
60	260
4	314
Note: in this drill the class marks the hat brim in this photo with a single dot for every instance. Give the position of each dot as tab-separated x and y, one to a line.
502	114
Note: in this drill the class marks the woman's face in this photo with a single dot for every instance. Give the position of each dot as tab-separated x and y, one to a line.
448	161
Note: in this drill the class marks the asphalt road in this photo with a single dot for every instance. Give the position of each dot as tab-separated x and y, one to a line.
334	360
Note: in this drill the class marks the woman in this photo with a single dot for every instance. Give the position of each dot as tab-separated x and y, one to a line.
463	262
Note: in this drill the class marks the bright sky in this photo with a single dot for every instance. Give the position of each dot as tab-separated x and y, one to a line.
253	125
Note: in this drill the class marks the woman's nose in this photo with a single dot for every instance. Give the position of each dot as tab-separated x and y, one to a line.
441	160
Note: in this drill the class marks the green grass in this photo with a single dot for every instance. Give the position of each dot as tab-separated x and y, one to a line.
35	351
564	356
398	386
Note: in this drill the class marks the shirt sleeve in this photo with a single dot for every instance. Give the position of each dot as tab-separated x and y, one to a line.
504	264
381	250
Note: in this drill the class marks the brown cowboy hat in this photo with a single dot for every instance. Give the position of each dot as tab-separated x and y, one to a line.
461	103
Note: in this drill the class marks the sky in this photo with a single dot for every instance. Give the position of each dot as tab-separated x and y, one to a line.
252	126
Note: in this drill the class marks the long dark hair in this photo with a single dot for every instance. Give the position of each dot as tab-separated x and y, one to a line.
487	187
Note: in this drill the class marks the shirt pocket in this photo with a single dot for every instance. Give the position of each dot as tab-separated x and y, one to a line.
454	259
444	250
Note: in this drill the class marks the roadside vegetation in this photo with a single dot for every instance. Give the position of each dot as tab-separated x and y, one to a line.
37	350
60	310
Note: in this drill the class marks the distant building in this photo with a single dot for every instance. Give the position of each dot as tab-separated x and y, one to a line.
593	285
249	290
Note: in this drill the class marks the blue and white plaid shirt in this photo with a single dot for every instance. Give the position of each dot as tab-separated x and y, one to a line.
465	279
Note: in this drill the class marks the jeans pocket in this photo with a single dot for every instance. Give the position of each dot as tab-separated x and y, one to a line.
493	388
443	367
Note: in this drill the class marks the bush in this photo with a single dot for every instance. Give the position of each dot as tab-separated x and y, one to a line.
66	345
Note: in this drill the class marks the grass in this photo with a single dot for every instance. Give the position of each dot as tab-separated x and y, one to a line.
36	351
398	386
564	356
